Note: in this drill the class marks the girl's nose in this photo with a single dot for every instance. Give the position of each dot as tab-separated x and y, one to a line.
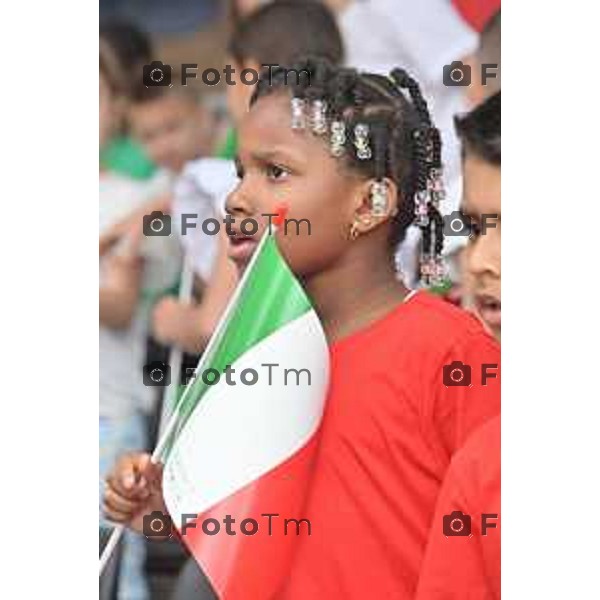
237	202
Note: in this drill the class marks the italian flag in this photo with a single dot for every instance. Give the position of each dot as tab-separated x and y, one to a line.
242	451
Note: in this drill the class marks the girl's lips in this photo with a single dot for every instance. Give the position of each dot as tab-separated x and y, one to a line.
489	309
241	248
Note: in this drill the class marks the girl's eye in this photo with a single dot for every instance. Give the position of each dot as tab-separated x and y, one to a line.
473	225
276	172
475	228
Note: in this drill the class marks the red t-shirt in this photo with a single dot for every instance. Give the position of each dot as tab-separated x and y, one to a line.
389	430
467	567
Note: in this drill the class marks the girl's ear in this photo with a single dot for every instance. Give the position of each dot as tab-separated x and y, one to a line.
376	203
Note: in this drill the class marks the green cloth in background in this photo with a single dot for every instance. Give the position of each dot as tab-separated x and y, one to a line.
228	148
124	156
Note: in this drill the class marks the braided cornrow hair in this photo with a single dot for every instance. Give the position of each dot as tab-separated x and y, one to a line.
406	147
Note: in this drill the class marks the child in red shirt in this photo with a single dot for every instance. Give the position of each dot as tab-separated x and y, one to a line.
462	566
456	566
357	157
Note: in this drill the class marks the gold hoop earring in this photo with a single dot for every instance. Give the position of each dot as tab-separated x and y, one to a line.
354	233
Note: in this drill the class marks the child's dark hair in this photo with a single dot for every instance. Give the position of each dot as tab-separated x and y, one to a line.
280	32
131	45
479	130
112	71
406	146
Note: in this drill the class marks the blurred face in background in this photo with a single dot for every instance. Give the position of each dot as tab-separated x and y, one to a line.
482	255
172	129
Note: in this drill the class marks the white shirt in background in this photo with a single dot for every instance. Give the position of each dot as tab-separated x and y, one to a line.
202	190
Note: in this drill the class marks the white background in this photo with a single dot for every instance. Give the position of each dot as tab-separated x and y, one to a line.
49	310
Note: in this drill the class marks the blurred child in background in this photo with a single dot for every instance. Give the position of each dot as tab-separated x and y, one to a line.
170	123
132	275
175	130
488	52
468	566
278	33
199	192
132	48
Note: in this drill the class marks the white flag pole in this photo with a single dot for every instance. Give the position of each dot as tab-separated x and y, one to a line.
117	532
176	354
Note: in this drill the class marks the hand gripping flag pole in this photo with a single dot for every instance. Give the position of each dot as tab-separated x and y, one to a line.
247	450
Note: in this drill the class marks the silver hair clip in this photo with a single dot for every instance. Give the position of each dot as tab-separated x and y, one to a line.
298	116
422	208
435	185
361	141
318	122
338	138
426	268
379	198
433	194
433	270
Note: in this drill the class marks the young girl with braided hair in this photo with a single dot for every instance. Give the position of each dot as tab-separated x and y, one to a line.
358	157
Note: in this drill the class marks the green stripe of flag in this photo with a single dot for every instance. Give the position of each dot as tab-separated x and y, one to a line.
271	297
